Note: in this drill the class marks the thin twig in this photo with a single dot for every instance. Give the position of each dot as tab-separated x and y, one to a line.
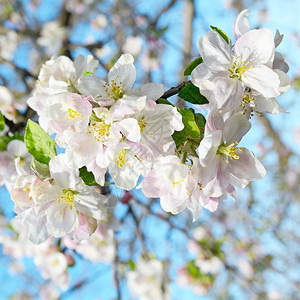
175	90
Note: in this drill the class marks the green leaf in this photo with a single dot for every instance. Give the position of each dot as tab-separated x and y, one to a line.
2	122
87	73
191	93
193	270
190	130
221	33
87	177
41	170
4	140
38	143
163	101
131	264
188	70
200	121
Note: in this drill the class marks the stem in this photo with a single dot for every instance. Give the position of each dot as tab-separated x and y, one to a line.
175	90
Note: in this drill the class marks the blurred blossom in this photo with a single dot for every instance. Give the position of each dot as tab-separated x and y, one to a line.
140	21
16	267
291	177
193	247
211	265
49	292
98	248
184	279
275	295
133	45
52	37
263	15
199	233
8	44
101	52
149	61
245	268
296	134
22	296
78	6
99	22
146	281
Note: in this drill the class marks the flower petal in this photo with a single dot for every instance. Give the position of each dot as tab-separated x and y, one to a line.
262	79
256	46
214	50
241	23
235	128
247	167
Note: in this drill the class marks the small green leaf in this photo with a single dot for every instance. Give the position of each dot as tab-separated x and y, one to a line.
41	170
4	140
163	101
188	70
200	121
2	122
38	143
191	93
221	33
87	73
131	264
87	177
193	270
190	130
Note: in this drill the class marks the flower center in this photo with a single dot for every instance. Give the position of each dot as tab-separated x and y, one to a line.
100	130
248	102
68	198
121	159
114	90
229	151
73	113
174	183
238	68
142	124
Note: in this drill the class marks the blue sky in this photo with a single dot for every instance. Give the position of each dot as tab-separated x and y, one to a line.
283	15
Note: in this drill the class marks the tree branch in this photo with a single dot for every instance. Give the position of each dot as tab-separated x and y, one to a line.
175	90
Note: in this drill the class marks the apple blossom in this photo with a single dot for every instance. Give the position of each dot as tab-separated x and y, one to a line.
117	92
224	164
146	281
224	75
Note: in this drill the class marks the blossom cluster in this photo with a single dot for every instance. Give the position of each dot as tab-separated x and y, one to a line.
111	126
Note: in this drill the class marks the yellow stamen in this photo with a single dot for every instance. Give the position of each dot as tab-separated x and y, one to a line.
73	114
100	130
176	182
121	159
114	90
142	124
238	69
68	197
229	151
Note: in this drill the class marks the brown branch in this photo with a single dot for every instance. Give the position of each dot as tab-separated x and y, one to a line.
175	90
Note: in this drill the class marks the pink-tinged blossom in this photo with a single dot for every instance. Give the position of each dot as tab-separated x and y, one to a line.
224	163
224	75
146	282
241	23
171	181
67	112
98	248
157	126
185	279
117	91
255	101
58	76
125	163
58	203
15	158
